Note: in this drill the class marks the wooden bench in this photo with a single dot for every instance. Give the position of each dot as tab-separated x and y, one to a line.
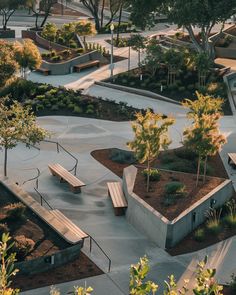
43	71
232	159
115	191
86	65
64	175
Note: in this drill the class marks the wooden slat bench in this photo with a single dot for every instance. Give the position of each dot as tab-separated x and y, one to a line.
43	71
115	191
86	65
232	159
65	175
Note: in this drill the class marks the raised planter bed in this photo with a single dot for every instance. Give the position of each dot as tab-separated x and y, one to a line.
7	33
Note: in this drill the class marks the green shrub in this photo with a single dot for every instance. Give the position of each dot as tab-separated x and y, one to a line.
230	220
40	97
182	166
41	89
72	44
213	227
22	246
55	107
61	40
174	188
122	157
16	211
181	88
39	107
199	235
80	50
124	81
132	84
52	92
186	154
3	228
71	106
166	159
56	58
77	110
154	174
213	222
232	283
53	53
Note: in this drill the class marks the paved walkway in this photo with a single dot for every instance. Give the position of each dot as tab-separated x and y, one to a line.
92	210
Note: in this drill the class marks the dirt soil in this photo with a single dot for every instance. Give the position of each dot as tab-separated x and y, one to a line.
58	8
156	195
80	268
228	291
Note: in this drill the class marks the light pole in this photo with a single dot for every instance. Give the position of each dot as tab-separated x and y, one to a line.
112	64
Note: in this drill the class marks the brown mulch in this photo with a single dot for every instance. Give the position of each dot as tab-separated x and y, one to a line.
156	195
228	291
57	9
80	268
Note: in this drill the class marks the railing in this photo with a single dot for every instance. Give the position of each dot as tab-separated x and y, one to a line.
34	178
90	250
65	150
42	199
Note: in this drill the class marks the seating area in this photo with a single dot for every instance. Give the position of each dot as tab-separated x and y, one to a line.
65	176
89	64
43	71
119	201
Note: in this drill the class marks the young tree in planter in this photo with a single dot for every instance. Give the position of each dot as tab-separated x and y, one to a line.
85	28
204	135
154	57
18	124
151	135
174	60
138	43
202	63
50	32
7	8
27	56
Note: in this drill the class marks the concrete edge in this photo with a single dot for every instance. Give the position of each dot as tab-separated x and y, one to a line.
146	93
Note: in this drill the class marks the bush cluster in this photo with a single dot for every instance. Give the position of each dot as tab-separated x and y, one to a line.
22	246
154	174
122	156
16	211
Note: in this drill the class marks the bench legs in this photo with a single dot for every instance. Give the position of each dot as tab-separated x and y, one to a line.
75	189
231	163
119	211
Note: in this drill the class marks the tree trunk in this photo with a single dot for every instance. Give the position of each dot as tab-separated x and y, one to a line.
205	168
119	22
102	12
148	175
193	39
5	162
198	170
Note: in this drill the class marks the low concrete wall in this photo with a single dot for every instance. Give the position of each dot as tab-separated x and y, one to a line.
225	52
66	67
7	34
27	34
44	263
158	228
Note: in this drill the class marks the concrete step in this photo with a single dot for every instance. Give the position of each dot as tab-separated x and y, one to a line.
66	221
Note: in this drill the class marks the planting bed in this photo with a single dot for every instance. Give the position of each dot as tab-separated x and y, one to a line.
44	242
156	195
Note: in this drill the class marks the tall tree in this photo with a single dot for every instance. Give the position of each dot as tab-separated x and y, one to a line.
27	56
204	136
17	124
191	14
7	8
151	135
8	64
93	7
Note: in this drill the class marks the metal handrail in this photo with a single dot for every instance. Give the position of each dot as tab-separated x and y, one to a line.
90	249
59	145
36	177
43	199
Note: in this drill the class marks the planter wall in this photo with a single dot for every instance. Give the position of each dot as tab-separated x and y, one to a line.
64	68
7	34
225	52
158	228
45	263
28	34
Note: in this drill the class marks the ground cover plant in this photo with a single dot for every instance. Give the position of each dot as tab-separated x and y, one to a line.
49	100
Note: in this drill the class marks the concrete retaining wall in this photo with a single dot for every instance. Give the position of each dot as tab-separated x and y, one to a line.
66	67
7	33
158	228
44	263
225	52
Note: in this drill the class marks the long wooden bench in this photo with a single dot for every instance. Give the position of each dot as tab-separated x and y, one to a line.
115	191
67	222
44	71
232	159
65	176
86	65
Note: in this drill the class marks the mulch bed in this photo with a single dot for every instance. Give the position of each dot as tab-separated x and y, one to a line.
47	242
80	268
228	291
156	195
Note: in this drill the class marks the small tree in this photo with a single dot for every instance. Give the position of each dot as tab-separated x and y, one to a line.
154	57
8	64
204	135
174	60
150	137
18	124
202	63
85	28
138	43
27	56
7	8
50	32
7	270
